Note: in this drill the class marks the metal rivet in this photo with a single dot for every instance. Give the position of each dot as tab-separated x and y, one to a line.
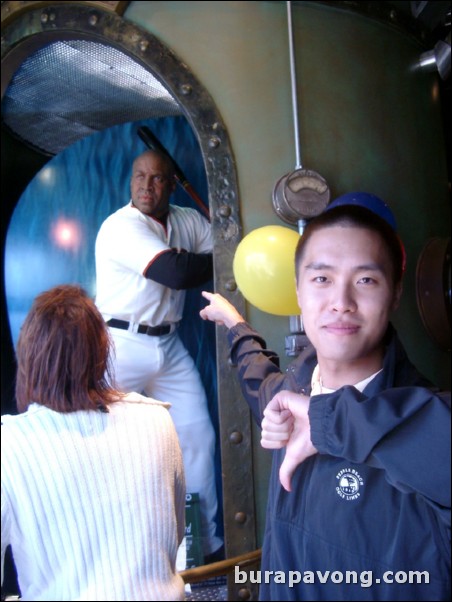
186	89
244	593
231	285
93	19
236	437
144	44
214	142
240	517
224	211
44	18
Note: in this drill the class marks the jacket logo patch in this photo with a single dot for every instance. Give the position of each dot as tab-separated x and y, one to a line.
349	483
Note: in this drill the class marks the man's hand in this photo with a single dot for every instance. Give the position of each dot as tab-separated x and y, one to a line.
220	310
277	425
286	423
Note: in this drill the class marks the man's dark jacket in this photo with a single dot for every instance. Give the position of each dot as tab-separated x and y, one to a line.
373	506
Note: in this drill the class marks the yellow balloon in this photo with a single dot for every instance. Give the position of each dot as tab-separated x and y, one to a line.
264	269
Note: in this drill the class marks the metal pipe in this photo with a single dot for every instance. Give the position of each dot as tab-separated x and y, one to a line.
294	86
301	225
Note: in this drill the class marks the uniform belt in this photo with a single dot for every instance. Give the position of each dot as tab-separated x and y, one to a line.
152	331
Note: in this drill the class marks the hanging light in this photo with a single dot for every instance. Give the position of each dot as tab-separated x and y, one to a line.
303	193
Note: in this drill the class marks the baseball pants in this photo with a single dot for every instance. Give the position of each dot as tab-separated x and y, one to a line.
162	368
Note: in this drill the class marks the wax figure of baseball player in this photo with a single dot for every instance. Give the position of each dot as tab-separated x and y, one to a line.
147	254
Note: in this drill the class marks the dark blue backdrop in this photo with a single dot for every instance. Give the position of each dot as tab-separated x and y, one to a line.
52	233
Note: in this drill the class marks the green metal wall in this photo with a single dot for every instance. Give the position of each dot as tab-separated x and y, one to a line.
367	121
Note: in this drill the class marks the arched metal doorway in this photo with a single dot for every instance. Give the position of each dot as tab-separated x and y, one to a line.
39	24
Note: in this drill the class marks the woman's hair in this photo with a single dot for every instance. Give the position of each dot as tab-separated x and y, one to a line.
357	217
63	354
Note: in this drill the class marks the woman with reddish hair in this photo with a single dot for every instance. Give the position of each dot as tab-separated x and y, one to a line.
93	489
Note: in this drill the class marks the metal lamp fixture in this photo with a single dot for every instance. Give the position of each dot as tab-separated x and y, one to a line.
438	58
303	193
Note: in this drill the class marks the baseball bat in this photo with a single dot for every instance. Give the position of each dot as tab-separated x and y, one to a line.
153	143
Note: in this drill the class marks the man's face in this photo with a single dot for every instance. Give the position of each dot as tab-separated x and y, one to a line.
151	185
346	293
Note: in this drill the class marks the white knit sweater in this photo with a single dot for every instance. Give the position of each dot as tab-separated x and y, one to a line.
93	504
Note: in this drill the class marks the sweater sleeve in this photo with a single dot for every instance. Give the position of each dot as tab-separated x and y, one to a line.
5	531
404	431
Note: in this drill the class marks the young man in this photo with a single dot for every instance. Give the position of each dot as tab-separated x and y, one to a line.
359	495
148	253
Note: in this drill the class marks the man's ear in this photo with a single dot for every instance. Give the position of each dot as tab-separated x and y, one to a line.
297	292
398	290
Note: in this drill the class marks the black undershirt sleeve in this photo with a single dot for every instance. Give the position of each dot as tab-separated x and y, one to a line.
181	269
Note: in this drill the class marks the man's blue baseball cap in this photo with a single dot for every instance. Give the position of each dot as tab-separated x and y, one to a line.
374	204
369	201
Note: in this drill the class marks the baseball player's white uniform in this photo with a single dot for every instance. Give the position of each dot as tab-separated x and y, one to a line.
159	366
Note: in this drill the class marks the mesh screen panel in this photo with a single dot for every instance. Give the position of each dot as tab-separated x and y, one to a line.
68	90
